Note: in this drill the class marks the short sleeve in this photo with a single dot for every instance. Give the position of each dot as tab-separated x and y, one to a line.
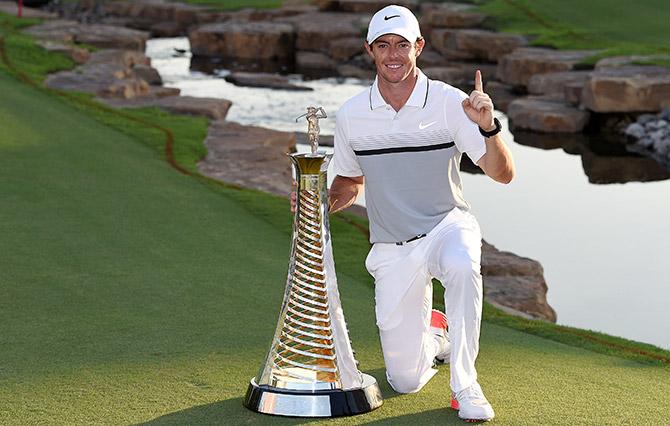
466	133
344	159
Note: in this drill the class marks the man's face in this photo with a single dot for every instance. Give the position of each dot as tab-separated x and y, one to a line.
394	56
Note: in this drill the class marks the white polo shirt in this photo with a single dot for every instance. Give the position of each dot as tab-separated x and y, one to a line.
410	158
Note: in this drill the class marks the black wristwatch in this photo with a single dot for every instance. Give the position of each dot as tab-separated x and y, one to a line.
492	132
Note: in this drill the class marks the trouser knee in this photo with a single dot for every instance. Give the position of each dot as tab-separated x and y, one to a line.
404	382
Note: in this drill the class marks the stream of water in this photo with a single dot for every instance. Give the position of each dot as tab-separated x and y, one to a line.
605	248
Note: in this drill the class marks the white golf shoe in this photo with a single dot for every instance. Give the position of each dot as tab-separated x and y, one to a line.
472	405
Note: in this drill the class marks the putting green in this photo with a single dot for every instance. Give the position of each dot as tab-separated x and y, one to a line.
130	293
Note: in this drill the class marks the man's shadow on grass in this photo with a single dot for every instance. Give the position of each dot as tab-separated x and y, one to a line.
232	412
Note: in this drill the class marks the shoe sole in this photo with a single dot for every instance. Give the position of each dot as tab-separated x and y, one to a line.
454	405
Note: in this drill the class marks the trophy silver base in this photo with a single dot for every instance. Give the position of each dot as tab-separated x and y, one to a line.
318	403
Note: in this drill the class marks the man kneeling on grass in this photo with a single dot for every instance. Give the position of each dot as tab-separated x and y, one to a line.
402	140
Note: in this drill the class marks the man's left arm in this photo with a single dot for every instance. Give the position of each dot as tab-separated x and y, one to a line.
497	162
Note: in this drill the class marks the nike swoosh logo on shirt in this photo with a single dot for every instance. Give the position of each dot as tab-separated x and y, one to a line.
386	18
423	126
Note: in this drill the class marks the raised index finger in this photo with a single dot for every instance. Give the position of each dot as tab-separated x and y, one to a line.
478	81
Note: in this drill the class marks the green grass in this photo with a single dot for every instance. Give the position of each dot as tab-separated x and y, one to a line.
132	293
615	26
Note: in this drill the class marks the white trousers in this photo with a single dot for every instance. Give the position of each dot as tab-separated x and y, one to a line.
450	252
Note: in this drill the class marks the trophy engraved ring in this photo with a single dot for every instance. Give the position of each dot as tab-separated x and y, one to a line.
310	370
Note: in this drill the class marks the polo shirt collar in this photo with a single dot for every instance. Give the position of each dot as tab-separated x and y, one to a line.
416	99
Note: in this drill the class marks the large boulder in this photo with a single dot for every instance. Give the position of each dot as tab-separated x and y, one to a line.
103	80
546	115
472	44
212	108
111	37
519	66
236	152
346	48
371	6
450	15
319	31
77	54
244	40
629	88
515	282
268	80
554	84
10	8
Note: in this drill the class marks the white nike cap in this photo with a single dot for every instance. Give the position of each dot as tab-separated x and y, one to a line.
394	19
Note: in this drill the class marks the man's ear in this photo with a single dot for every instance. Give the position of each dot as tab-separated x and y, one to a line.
368	49
420	44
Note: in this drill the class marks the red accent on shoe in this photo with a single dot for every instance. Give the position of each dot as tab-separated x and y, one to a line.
454	402
438	319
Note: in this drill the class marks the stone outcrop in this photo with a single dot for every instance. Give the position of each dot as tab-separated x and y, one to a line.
346	48
515	282
270	81
102	80
369	6
628	88
554	84
236	153
98	35
518	67
450	15
245	40
318	31
77	54
307	62
546	115
473	44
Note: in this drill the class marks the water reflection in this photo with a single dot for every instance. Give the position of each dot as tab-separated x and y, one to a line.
605	159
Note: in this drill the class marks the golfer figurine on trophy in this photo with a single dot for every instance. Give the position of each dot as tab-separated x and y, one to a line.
310	370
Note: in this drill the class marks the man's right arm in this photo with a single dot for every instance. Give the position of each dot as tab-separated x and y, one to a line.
344	191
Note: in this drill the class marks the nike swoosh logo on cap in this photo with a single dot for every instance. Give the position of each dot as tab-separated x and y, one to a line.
386	18
423	126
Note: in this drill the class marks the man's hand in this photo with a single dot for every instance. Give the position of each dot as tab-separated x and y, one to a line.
479	106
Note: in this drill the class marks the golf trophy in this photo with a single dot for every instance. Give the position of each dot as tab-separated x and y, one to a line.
310	370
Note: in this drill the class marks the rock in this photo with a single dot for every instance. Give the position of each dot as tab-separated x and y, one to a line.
346	48
213	108
472	44
272	81
77	54
166	29
501	94
618	61
430	58
519	66
318	31
608	169
546	115
665	114
450	15
353	71
244	40
103	80
125	58
235	153
572	93
628	88
515	282
635	130
55	31
461	74
148	74
110	37
314	61
372	6
553	84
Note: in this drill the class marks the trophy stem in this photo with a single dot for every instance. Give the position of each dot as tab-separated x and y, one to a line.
310	370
